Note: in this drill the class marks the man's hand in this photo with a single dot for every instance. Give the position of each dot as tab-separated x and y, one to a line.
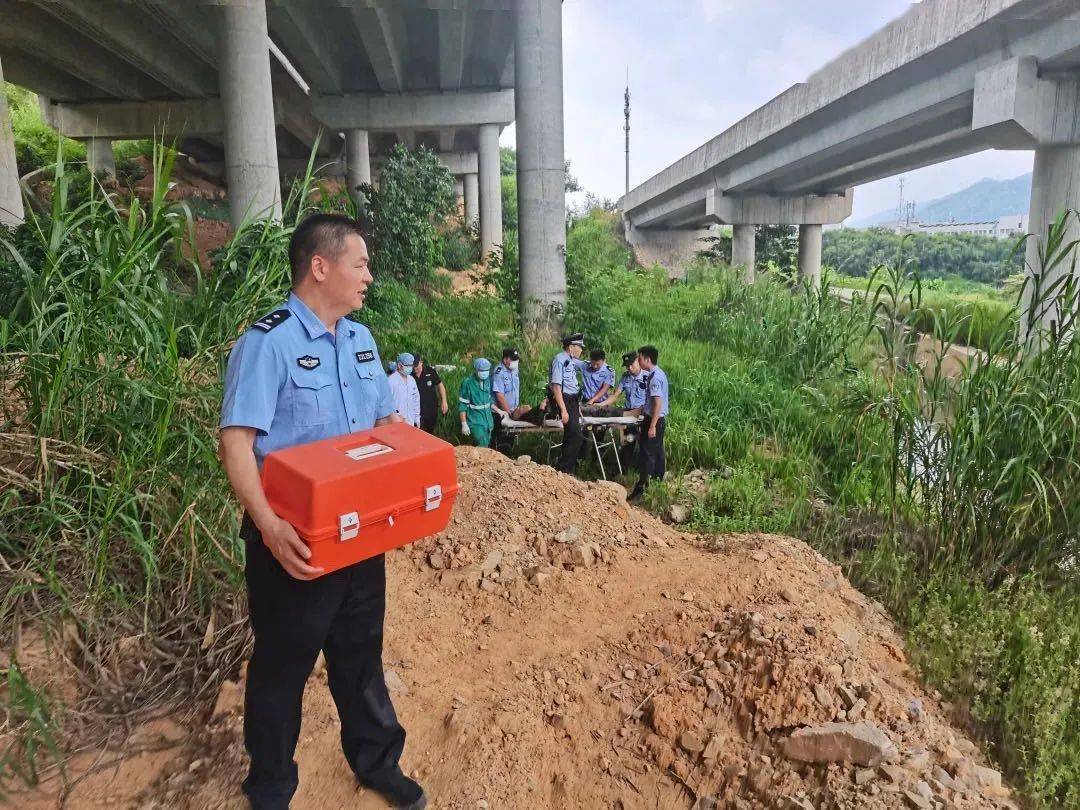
565	416
238	458
288	549
445	408
652	431
465	429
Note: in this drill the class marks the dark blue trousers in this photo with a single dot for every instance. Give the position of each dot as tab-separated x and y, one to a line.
340	613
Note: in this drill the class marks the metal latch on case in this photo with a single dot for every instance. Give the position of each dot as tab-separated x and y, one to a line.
348	526
432	497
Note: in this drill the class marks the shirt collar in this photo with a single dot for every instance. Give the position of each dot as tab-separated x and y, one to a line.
315	328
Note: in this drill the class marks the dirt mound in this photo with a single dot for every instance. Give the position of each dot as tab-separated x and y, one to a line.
556	648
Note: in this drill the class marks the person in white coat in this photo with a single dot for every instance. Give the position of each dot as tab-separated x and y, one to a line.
403	387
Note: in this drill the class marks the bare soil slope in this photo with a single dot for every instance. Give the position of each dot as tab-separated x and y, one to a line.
556	648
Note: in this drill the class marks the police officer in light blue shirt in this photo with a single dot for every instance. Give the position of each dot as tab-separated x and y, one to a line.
302	373
632	384
506	382
294	381
596	378
651	461
566	391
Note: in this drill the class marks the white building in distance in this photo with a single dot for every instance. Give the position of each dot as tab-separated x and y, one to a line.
1001	228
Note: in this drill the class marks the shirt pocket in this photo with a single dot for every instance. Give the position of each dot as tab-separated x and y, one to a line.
311	398
367	396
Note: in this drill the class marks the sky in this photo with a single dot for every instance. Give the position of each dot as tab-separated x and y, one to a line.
698	66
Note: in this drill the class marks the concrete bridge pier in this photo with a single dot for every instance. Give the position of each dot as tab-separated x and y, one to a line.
668	247
1055	187
472	198
251	155
743	250
809	212
541	170
99	156
11	204
1018	106
810	254
357	161
490	171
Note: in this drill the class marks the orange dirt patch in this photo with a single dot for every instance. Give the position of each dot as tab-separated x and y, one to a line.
557	648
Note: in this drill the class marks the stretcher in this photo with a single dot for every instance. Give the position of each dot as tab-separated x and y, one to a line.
593	427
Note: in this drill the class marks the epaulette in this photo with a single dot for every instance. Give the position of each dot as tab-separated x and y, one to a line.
273	320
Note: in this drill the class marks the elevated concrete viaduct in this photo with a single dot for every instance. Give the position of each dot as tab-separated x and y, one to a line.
948	78
253	84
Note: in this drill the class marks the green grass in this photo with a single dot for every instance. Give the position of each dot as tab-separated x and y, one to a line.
967	313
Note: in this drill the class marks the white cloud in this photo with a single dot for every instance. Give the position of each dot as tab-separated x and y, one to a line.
713	10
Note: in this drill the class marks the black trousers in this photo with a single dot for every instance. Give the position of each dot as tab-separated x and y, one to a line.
573	438
631	437
340	613
428	422
651	462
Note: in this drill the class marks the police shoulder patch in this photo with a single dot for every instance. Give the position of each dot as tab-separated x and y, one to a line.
365	356
308	362
565	363
273	320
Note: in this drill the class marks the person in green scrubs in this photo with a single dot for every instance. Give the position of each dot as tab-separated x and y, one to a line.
474	403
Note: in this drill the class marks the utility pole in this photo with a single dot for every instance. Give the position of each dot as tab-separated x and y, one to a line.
900	205
626	126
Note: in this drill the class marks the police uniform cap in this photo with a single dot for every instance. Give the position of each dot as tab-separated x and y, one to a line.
578	338
511	354
629	358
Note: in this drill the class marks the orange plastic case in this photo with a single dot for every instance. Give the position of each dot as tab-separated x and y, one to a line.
354	496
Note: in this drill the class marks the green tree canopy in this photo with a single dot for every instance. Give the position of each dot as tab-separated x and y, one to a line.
856	252
415	192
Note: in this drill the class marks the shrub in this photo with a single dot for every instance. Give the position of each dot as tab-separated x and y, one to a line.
459	248
415	192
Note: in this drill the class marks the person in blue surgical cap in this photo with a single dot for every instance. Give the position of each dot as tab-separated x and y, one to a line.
474	403
403	387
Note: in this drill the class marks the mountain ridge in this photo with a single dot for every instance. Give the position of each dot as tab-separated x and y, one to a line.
983	201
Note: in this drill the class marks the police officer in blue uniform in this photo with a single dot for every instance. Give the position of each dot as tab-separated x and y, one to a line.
506	383
506	396
302	373
651	461
632	384
596	378
566	392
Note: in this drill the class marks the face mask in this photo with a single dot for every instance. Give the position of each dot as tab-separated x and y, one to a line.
482	375
513	365
406	371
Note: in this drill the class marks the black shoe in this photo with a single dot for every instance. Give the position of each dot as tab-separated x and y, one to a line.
636	493
399	790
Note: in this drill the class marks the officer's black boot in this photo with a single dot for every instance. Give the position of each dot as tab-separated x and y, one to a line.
399	790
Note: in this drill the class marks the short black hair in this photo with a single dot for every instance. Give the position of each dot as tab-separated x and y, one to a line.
597	354
318	234
511	353
649	352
